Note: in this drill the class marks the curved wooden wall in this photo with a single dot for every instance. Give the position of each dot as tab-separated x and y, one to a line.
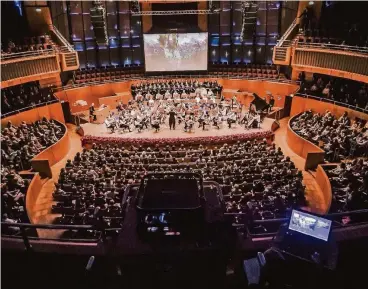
51	155
33	192
301	104
304	148
92	94
324	183
51	111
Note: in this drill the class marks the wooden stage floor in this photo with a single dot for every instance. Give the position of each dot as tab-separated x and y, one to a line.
100	130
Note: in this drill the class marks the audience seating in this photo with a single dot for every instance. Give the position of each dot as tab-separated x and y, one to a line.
20	144
349	183
340	138
93	74
28	44
256	179
336	89
13	191
244	70
24	96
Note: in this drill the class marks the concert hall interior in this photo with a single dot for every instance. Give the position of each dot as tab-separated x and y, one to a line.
189	144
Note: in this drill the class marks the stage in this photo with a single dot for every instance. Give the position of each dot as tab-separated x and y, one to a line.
100	130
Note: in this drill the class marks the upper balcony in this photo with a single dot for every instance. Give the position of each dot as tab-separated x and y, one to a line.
18	68
338	60
314	55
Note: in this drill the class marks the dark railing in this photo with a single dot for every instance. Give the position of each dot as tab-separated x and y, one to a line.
28	232
353	107
14	112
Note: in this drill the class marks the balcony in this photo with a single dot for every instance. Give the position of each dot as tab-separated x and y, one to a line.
23	67
337	60
18	68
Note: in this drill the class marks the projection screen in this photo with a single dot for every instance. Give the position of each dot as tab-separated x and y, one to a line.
175	51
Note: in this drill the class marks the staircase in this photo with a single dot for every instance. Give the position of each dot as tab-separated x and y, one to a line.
282	50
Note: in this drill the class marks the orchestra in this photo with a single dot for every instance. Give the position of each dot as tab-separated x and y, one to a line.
172	107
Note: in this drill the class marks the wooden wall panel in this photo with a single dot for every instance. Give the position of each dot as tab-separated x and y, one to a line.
33	192
325	185
54	111
301	104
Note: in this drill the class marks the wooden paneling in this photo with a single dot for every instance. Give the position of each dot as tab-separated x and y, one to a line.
304	148
301	104
54	111
325	185
32	194
56	152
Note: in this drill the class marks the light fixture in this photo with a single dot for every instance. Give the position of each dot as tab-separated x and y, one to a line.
311	3
38	10
226	54
214	52
132	31
249	52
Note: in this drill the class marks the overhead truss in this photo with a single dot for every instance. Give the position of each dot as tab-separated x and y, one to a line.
174	12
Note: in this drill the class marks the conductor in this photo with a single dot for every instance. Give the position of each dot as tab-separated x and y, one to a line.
92	116
172	114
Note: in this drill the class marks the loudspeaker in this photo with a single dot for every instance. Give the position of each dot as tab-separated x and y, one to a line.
66	111
287	105
98	20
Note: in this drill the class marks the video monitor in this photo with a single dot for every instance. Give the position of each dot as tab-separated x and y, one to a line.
310	225
176	52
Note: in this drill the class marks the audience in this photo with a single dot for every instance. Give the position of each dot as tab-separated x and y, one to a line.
336	89
19	144
24	95
27	44
13	190
256	178
340	138
349	183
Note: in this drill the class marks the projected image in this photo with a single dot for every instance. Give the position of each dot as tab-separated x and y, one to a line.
176	52
310	225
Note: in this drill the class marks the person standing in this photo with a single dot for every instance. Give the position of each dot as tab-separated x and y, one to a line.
172	115
92	116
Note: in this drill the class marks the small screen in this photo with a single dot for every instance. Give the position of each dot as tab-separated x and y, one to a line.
310	225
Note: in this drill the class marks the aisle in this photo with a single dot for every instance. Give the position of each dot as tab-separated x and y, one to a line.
313	192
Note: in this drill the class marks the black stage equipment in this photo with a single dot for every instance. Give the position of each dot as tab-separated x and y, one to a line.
178	218
304	247
98	20
259	103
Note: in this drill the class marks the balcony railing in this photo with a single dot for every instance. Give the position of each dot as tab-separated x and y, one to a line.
343	104
327	46
332	60
27	54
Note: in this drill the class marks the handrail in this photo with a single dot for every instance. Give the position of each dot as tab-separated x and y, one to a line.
43	52
61	38
209	76
341	47
357	108
287	33
29	107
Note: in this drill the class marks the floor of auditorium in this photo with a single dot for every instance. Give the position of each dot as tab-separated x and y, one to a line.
45	200
100	130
